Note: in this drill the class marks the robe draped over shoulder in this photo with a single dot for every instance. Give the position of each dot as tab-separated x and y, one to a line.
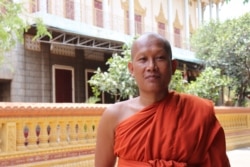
179	131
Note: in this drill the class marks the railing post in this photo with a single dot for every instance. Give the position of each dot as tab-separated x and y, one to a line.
63	132
95	124
8	137
72	132
81	132
43	137
54	134
20	141
32	135
87	130
248	121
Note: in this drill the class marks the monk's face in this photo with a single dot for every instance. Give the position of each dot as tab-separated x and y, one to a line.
151	66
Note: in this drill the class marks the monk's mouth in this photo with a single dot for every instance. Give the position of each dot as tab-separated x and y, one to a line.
152	77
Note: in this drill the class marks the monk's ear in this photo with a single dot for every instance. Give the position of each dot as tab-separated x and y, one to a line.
130	68
174	66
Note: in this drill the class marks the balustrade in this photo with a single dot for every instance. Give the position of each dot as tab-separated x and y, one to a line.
65	134
36	132
236	124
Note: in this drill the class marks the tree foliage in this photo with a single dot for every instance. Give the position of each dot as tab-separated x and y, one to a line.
13	25
177	82
244	1
207	85
227	46
116	80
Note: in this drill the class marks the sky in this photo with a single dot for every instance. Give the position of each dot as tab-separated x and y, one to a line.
232	9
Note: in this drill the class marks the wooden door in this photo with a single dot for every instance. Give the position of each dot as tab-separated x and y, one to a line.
63	85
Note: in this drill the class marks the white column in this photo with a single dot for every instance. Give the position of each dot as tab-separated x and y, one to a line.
217	10
106	13
187	34
199	12
43	6
131	17
77	9
170	22
210	9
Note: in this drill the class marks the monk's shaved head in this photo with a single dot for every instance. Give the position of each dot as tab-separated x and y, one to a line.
147	37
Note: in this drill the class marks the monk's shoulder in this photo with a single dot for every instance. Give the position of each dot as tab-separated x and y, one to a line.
195	100
118	107
117	111
113	109
197	104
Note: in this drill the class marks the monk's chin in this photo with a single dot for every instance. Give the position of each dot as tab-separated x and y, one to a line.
156	90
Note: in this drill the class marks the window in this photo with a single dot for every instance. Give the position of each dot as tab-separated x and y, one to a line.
5	90
138	24
127	31
48	3
98	14
177	37
31	44
34	6
161	29
139	12
69	9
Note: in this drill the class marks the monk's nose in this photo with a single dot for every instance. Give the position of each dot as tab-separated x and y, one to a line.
151	65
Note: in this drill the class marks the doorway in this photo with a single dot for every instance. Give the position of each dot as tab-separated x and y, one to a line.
63	84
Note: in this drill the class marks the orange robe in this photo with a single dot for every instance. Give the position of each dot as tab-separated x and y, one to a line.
179	131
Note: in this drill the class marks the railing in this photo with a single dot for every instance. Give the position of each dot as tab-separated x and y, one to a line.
57	133
52	134
236	124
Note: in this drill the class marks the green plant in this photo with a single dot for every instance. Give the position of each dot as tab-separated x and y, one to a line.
208	84
177	82
116	80
14	23
93	100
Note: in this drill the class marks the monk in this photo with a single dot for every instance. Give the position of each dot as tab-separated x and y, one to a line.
160	127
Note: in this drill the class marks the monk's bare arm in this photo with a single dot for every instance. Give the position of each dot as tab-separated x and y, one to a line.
104	154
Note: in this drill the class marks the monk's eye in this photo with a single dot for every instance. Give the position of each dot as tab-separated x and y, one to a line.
161	58
142	59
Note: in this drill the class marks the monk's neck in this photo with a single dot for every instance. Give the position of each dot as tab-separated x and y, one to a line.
149	99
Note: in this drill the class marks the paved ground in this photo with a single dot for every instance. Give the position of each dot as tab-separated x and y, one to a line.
239	157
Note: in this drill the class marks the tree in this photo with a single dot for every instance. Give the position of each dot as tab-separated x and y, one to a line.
177	82
208	85
116	80
13	25
244	1
227	46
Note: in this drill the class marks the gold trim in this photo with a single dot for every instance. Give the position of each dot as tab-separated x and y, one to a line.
177	23
161	18
137	6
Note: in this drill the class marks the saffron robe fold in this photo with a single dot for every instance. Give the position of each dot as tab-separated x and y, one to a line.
179	131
